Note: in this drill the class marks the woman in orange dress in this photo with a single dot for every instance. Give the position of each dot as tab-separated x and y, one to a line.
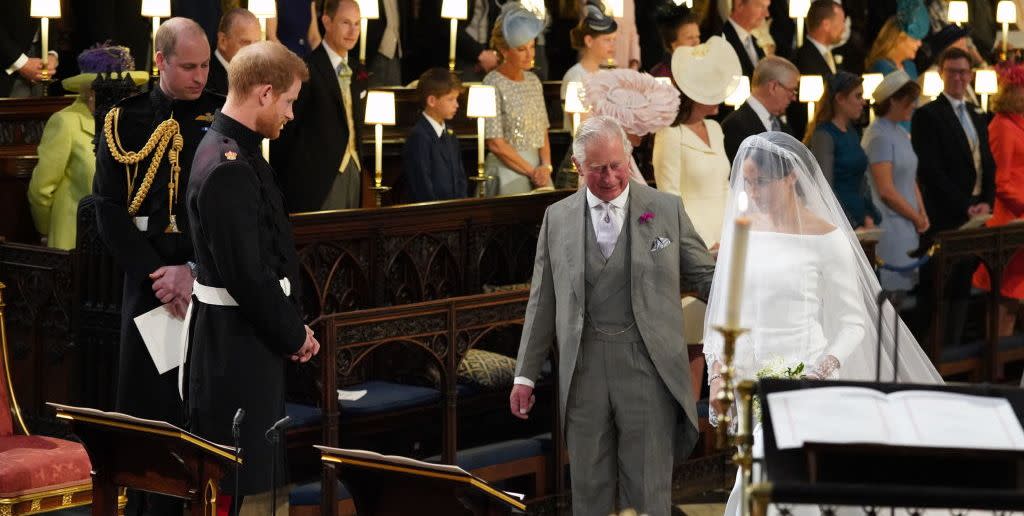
1006	139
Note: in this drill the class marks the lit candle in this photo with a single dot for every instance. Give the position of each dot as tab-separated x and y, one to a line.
737	267
362	39
378	135
451	44
45	30
480	146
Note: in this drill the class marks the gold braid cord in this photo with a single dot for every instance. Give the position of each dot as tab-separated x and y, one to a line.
167	132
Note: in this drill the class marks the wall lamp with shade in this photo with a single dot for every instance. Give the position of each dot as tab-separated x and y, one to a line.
368	10
985	84
380	111
454	10
156	9
481	104
812	87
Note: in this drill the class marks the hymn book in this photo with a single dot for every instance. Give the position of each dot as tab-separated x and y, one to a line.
935	419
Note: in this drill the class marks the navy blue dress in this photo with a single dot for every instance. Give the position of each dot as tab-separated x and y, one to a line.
849	167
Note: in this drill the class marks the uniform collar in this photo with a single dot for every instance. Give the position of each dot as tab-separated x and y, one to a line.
247	139
162	104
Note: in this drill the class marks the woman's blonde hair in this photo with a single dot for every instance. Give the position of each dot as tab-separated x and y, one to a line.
1010	99
498	39
888	39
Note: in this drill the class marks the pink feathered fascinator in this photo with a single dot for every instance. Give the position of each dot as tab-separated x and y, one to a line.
640	103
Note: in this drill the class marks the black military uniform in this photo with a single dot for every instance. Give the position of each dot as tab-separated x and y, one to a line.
138	241
244	250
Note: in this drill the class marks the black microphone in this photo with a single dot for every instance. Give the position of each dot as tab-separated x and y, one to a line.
236	423
236	431
273	431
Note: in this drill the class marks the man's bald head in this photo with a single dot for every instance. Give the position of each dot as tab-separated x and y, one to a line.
173	31
183	58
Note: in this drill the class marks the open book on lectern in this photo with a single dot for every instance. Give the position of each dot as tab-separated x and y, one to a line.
371	459
106	418
843	415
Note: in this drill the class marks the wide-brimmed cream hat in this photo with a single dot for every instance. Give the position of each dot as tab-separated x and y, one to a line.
890	84
103	58
707	73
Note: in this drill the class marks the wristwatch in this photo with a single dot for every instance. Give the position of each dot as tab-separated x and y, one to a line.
193	268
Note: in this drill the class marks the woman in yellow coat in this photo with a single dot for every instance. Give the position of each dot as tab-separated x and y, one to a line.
63	174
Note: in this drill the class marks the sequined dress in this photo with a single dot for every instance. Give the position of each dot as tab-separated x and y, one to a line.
522	121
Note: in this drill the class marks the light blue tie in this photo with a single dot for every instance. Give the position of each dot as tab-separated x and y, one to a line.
972	133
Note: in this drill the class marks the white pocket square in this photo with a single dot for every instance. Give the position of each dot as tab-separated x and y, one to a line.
659	244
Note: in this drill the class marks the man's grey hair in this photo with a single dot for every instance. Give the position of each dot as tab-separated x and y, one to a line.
773	68
595	129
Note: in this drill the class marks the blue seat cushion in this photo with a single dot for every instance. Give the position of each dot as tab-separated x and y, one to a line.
494	454
1011	342
309	494
962	352
387	396
302	415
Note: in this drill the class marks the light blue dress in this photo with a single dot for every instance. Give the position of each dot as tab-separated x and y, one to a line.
884	141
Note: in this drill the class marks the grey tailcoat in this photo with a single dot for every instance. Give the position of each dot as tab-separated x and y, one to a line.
556	308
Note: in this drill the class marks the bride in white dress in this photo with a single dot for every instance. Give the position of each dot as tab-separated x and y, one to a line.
809	294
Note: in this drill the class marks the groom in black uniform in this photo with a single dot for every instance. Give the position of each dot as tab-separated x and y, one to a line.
245	318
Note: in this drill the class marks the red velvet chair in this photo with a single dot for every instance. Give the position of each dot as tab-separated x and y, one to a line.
37	474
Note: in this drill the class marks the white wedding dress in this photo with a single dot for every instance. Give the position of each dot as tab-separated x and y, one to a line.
809	295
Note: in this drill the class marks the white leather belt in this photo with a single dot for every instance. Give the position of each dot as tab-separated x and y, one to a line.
210	296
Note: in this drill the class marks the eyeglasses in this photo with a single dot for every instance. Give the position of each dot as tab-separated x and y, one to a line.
962	72
792	91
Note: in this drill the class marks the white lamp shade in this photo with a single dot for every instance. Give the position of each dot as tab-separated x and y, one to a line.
45	9
614	8
957	12
799	8
574	97
932	84
985	82
740	94
263	8
1006	12
369	9
871	81
380	107
457	9
482	102
156	8
812	87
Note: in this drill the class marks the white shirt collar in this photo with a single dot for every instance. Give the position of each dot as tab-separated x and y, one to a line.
335	58
761	111
954	102
438	127
740	31
822	48
220	57
619	202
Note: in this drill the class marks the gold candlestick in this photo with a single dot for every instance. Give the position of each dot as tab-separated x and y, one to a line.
726	398
744	440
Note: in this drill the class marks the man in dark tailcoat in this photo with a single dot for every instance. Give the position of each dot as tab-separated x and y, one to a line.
139	211
245	318
238	28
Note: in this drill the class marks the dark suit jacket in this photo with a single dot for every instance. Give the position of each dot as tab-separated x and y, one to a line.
432	166
307	155
743	123
810	62
16	33
782	29
945	169
432	33
375	33
729	33
217	81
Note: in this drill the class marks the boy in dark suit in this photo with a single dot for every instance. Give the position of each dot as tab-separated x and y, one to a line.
432	163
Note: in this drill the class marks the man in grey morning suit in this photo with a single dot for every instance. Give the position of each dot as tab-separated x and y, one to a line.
612	261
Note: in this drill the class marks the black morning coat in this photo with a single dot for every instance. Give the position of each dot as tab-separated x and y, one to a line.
237	354
141	390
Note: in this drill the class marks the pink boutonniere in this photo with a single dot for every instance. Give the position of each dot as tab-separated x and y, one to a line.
362	75
646	217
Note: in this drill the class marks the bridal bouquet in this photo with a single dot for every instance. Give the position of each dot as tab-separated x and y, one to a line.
775	368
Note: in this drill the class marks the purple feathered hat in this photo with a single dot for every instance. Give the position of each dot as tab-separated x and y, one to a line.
103	58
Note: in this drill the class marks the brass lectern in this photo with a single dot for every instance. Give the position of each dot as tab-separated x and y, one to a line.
147	455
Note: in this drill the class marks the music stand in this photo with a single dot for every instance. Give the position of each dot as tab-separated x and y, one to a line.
147	455
386	485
